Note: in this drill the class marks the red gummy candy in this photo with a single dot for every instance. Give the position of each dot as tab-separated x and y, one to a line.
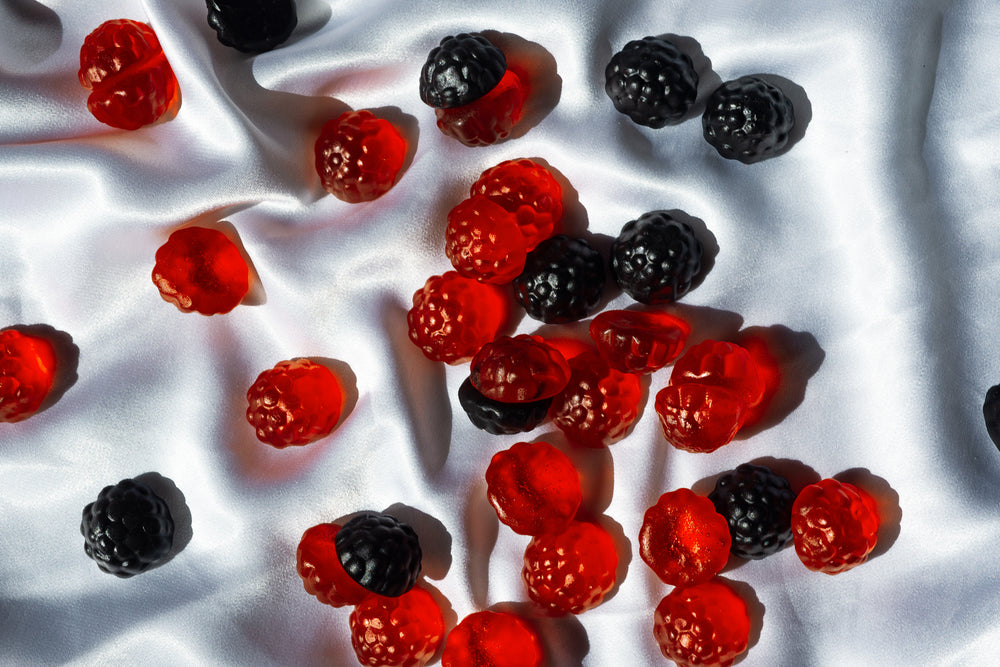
490	118
834	526
683	539
317	563
403	631
518	369
492	639
294	403
599	404
359	156
131	82
637	341
27	371
529	191
721	364
200	269
706	624
483	241
699	417
570	571
534	488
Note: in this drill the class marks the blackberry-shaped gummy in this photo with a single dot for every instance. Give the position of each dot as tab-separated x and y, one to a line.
757	504
403	631
519	369
705	624
501	418
460	70
128	529
599	404
358	156
652	82
380	552
991	413
27	371
493	639
529	191
748	119
295	403
562	280
655	258
572	570
252	26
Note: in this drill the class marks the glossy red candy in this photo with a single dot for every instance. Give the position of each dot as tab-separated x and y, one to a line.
403	631
533	487
322	574
518	369
27	371
490	118
492	639
699	417
131	82
200	269
638	341
359	156
721	364
599	404
483	241
834	526
683	539
529	191
706	624
570	571
294	403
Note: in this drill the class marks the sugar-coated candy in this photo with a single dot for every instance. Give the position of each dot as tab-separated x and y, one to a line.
748	119
199	269
501	418
27	372
252	26
533	487
323	576
599	404
757	505
380	552
484	242
655	258
295	403
834	526
638	341
403	631
562	280
652	82
704	625
359	156
683	539
570	571
519	369
131	82
493	639
529	191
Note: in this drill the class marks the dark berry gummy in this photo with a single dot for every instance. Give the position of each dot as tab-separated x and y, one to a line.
991	413
317	563
636	341
27	372
699	418
460	70
484	242
570	571
403	631
834	526
359	156
294	403
562	280
748	119
655	258
652	82
252	26
757	504
128	529
493	639
529	191
533	487
519	369
131	82
380	552
706	624
501	418
683	539
200	270
489	119
598	405
721	364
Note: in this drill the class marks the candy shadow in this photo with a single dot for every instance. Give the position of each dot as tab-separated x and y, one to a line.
448	615
179	511
801	107
482	528
708	80
886	499
536	68
564	639
408	128
67	360
435	540
574	220
31	33
311	16
595	466
755	612
709	244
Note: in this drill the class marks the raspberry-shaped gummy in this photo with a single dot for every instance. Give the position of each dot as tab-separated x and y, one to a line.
380	552
706	625
403	631
699	418
562	280
748	119
294	403
991	413
200	270
652	82
317	563
757	505
519	369
655	258
489	119
534	488
128	529
252	26
721	364
131	82
683	539
493	639
599	404
637	341
570	571
27	372
483	241
359	156
529	191
834	526
460	70
501	418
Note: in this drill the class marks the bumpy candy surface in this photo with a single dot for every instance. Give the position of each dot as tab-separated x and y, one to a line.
655	258
721	364
27	371
637	341
317	563
652	82
533	487
991	413
130	80
570	571
599	404
748	119
484	242
128	529
489	119
519	369
529	191
460	70
359	156
380	552
706	624
757	505
699	418
492	639
683	539
294	403
834	526
252	26
562	280
403	631
199	269
501	418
